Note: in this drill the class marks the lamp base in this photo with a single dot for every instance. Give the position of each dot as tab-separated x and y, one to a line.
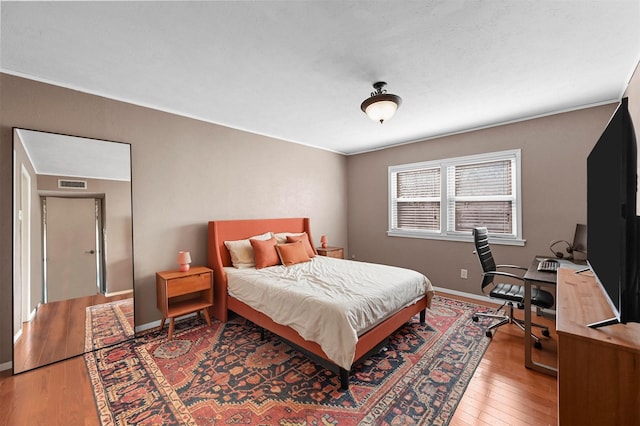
184	267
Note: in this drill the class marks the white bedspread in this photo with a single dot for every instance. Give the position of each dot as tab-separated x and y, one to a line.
328	301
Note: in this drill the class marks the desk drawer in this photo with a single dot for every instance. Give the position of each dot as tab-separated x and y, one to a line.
186	285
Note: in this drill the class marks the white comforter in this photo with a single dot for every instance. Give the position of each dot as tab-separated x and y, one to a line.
328	301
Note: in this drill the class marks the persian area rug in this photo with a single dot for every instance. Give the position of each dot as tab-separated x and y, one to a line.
224	374
108	323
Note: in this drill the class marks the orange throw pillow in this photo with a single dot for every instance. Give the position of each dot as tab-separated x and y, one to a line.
292	253
305	241
265	252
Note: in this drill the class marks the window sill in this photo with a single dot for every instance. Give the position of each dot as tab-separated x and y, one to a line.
460	238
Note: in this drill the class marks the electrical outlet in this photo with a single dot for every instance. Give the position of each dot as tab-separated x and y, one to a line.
463	274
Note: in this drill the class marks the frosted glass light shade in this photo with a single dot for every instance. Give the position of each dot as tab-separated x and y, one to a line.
381	110
381	105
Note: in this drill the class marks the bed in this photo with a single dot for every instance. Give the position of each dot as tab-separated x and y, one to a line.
367	341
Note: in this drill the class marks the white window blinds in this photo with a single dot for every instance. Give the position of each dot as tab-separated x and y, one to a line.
481	194
449	197
417	200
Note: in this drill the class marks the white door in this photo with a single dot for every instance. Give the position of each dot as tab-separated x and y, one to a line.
71	248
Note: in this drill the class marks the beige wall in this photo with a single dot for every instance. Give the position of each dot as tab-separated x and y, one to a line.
554	152
633	93
185	173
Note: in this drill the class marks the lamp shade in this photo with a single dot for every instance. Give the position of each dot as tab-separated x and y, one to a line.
184	259
381	106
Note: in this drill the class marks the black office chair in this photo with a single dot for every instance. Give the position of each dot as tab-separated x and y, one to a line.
509	293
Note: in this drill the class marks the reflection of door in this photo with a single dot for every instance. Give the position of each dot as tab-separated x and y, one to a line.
71	244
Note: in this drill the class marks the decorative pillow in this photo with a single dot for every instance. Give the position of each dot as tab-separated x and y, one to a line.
281	237
305	241
265	252
292	253
241	251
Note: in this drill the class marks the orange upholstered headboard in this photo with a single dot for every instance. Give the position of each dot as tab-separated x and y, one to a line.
229	230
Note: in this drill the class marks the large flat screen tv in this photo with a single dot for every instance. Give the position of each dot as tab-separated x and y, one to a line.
612	221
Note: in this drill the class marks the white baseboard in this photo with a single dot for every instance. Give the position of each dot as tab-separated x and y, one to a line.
118	293
155	324
482	298
147	326
6	366
17	335
478	297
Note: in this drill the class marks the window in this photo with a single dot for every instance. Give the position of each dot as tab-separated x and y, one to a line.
445	199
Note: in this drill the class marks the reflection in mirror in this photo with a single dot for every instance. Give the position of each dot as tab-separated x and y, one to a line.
72	246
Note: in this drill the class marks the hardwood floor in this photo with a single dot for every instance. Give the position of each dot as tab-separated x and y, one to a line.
58	394
56	332
502	391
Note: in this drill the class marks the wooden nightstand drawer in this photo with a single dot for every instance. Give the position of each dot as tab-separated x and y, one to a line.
187	285
337	252
180	293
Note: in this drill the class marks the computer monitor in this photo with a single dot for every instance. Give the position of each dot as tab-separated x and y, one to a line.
580	239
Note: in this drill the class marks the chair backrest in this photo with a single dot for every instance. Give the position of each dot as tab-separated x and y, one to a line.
481	241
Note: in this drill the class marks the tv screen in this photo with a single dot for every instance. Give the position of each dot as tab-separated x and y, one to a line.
611	216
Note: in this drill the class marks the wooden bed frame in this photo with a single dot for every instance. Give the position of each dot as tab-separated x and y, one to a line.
218	257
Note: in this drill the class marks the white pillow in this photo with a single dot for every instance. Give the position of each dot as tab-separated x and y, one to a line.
281	237
242	253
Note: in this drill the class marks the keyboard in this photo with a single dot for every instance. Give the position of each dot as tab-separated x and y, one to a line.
548	265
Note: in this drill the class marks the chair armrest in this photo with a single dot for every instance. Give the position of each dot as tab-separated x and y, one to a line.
504	274
513	266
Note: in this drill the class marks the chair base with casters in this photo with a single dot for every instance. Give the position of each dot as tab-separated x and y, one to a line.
516	295
508	293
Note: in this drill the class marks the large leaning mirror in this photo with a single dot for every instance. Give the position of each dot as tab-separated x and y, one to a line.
72	246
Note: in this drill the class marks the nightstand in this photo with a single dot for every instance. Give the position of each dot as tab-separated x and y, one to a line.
180	293
337	252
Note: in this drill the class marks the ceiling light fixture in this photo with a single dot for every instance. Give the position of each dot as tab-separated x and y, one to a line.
380	106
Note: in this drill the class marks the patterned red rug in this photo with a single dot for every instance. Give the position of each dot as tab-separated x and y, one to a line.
225	374
108	323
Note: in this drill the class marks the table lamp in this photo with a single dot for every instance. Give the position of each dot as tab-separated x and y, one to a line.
184	259
323	241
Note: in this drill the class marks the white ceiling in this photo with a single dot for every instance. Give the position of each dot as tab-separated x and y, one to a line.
298	70
72	156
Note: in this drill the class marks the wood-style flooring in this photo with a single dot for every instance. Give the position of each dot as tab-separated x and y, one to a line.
501	392
56	332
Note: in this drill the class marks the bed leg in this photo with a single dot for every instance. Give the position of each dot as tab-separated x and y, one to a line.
423	316
344	379
262	334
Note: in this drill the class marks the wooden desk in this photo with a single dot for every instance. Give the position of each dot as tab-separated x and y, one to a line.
533	277
598	369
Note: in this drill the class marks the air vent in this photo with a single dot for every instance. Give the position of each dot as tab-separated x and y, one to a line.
72	184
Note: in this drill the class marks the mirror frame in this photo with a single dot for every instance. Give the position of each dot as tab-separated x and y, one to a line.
41	194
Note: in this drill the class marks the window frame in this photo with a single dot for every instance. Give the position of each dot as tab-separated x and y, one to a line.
444	164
